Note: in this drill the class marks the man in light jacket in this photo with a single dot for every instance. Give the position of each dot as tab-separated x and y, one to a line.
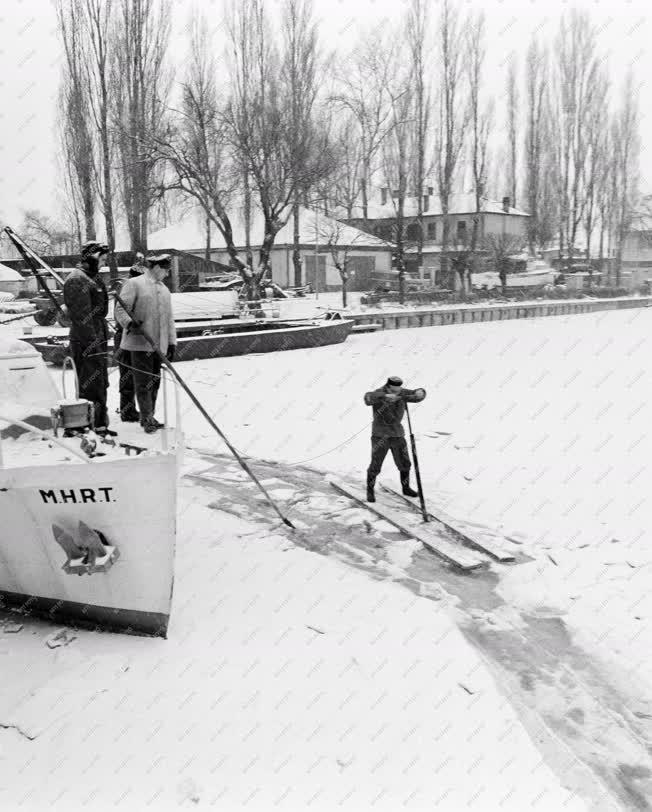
149	306
127	410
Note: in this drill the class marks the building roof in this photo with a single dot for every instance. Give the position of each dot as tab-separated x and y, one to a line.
641	222
459	204
9	275
189	235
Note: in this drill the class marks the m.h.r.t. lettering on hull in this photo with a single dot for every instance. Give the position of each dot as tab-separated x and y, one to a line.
78	496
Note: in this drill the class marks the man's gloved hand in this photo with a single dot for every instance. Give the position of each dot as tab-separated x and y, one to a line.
134	326
172	349
420	393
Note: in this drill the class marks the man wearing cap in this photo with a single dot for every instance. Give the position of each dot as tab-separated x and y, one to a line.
128	411
148	312
87	303
387	433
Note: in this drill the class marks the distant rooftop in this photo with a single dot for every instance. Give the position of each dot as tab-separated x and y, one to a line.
189	235
459	204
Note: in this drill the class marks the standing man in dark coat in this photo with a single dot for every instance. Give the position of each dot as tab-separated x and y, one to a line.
128	411
87	302
387	433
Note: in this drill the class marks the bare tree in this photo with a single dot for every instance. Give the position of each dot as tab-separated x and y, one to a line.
512	127
343	188
577	68
362	88
334	236
417	38
500	247
75	126
481	112
398	156
536	93
597	159
604	199
299	69
208	143
45	235
626	145
453	118
280	164
196	145
97	16
142	81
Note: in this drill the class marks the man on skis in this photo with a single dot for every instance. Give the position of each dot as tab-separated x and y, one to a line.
387	433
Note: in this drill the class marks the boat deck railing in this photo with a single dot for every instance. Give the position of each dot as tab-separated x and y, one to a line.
166	446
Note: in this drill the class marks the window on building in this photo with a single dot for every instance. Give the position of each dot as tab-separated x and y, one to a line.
432	231
384	231
412	232
461	231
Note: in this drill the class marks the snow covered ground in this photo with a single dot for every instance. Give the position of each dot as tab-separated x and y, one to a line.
291	681
538	428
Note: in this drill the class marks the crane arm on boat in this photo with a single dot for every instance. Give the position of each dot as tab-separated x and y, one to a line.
33	262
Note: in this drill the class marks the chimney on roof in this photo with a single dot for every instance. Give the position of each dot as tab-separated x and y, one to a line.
506	203
383	196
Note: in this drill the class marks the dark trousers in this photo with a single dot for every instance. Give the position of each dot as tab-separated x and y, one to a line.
93	377
147	379
379	448
127	389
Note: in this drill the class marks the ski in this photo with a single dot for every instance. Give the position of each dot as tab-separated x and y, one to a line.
429	537
460	531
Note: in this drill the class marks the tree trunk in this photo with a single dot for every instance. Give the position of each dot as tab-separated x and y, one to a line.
444	263
363	190
108	197
296	251
207	253
88	204
247	221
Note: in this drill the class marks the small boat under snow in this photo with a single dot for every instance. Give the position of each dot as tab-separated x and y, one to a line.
523	272
88	527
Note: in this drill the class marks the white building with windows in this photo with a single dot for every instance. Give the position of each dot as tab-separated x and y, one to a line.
367	254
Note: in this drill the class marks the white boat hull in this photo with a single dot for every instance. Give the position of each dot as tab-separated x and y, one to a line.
131	502
529	279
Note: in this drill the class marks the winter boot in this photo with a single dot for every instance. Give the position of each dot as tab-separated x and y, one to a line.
371	481
149	425
405	484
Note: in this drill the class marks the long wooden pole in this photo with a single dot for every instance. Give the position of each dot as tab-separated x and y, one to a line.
211	422
424	511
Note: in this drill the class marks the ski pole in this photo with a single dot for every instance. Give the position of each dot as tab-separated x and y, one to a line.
424	512
210	420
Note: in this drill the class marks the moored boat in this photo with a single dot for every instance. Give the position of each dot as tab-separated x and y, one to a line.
88	529
522	272
223	338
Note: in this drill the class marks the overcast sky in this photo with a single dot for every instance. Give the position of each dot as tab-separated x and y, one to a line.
30	55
